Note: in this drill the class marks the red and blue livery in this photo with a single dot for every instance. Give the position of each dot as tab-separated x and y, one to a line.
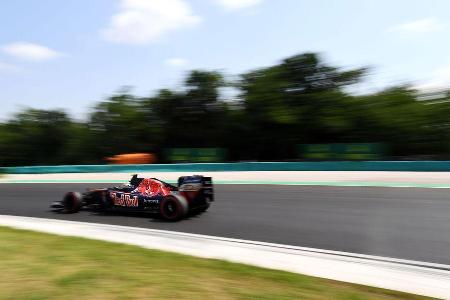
192	194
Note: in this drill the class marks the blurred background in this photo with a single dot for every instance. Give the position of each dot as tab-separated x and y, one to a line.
184	81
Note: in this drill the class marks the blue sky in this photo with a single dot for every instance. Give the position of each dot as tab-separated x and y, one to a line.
70	54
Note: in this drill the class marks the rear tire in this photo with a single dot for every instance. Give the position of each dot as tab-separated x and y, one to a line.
72	202
173	207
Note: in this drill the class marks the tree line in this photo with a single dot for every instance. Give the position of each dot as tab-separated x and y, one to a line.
301	100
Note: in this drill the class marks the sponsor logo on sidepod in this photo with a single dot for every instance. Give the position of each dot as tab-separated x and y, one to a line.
125	200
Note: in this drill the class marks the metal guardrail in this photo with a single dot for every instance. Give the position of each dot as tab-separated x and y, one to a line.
423	166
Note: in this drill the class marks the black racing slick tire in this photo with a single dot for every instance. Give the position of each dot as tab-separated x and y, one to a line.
71	202
173	207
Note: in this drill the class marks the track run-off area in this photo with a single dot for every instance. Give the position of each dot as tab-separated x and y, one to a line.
406	223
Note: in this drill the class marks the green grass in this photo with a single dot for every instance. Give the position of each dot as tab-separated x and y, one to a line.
43	266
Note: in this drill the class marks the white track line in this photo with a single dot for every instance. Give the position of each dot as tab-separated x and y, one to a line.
351	177
403	275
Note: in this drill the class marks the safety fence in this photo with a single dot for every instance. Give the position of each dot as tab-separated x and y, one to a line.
436	166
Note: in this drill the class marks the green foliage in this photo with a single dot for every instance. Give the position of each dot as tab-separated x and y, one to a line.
118	125
301	100
34	137
298	101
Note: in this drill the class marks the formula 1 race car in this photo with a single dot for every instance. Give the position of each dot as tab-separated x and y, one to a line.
193	194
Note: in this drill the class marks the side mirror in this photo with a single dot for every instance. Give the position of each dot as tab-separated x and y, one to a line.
134	180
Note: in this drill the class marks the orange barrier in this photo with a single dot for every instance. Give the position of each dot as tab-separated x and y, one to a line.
132	158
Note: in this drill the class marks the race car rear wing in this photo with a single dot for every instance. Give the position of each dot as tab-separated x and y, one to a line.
208	189
197	183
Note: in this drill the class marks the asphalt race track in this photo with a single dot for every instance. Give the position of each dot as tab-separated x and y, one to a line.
408	223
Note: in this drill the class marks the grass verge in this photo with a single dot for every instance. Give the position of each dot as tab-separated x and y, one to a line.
43	266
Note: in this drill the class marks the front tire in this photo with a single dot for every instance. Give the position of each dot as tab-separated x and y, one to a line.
72	202
173	207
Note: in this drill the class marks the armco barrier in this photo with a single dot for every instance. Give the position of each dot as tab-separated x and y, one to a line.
436	166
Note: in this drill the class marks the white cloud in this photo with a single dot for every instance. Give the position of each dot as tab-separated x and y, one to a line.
238	4
143	21
177	62
426	25
29	51
439	79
